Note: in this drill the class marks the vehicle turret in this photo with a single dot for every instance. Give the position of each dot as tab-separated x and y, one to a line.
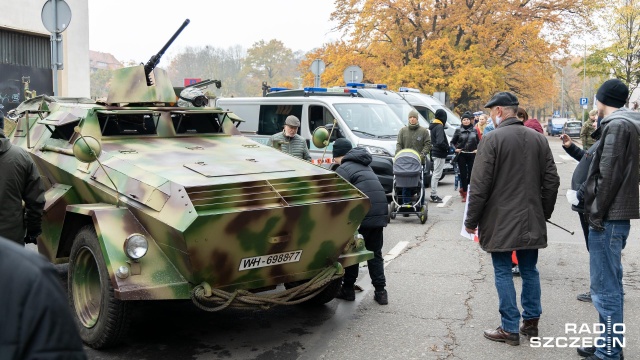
144	83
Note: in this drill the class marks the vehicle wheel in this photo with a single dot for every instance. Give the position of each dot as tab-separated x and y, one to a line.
424	214
441	177
102	320
329	293
392	209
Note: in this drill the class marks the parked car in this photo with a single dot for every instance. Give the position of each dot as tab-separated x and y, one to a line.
555	125
572	128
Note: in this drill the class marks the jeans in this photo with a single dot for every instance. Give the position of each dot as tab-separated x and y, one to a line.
407	194
530	297
438	166
605	264
465	162
373	239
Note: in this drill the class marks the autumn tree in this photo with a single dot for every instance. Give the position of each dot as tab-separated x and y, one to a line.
469	48
226	65
620	55
271	62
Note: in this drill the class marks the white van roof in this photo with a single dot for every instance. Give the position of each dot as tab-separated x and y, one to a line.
299	100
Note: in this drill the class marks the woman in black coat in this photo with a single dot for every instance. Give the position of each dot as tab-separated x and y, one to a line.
465	140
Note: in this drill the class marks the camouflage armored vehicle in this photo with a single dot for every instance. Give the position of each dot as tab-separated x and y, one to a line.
149	201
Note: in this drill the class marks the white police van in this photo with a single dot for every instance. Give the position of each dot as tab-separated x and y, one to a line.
365	122
396	101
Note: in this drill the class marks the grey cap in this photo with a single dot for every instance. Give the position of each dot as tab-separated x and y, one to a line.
414	113
503	99
292	120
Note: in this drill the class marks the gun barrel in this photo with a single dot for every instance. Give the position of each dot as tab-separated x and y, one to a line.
155	59
173	38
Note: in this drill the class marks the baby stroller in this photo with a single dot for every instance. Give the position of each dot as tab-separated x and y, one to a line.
408	172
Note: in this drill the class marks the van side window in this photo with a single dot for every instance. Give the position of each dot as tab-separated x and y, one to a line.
272	117
426	113
319	116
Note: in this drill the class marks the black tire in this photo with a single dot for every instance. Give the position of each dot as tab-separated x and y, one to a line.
441	177
392	209
424	214
329	293
102	320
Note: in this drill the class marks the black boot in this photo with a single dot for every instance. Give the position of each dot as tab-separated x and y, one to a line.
529	327
347	292
380	296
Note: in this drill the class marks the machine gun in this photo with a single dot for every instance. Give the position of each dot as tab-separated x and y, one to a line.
155	59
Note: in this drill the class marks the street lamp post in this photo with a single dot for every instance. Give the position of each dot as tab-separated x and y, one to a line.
561	90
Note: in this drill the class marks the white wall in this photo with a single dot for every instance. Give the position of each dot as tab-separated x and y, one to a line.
25	15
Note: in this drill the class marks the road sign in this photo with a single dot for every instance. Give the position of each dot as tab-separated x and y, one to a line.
56	15
317	67
191	81
584	101
556	113
352	74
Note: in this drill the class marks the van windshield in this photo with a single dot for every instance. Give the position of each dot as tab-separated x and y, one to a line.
402	109
452	119
370	120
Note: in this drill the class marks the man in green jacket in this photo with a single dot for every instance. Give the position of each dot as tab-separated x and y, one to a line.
19	181
417	138
289	141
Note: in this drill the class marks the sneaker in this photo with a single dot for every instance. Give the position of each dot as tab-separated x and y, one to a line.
586	297
436	199
347	293
381	297
589	353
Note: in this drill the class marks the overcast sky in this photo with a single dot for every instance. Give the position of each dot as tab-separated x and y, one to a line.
137	29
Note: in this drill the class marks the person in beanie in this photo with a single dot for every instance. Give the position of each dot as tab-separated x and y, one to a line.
514	186
439	151
415	137
354	167
588	128
610	200
465	140
289	141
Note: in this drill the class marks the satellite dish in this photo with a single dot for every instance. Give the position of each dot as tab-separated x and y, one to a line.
352	74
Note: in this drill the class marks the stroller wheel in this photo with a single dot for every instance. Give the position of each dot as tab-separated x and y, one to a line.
392	211
424	214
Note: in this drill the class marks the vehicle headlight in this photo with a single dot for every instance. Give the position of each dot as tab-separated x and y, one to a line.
375	150
136	246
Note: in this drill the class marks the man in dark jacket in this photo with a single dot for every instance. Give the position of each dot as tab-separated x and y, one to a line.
19	181
513	191
354	167
439	150
36	320
611	199
575	195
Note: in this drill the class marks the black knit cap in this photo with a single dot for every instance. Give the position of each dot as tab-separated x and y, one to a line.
503	98
441	115
467	115
341	147
613	92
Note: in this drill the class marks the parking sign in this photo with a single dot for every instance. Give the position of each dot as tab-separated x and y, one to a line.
584	101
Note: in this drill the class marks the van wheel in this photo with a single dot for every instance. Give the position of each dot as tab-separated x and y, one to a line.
102	320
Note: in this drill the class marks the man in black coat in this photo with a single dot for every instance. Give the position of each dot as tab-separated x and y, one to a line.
611	199
35	320
439	151
354	167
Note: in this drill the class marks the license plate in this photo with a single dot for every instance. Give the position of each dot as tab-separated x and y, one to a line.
270	260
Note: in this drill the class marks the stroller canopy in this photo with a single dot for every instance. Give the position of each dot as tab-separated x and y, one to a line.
407	163
407	169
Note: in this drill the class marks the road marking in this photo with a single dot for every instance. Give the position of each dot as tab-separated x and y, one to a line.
444	201
393	253
568	158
